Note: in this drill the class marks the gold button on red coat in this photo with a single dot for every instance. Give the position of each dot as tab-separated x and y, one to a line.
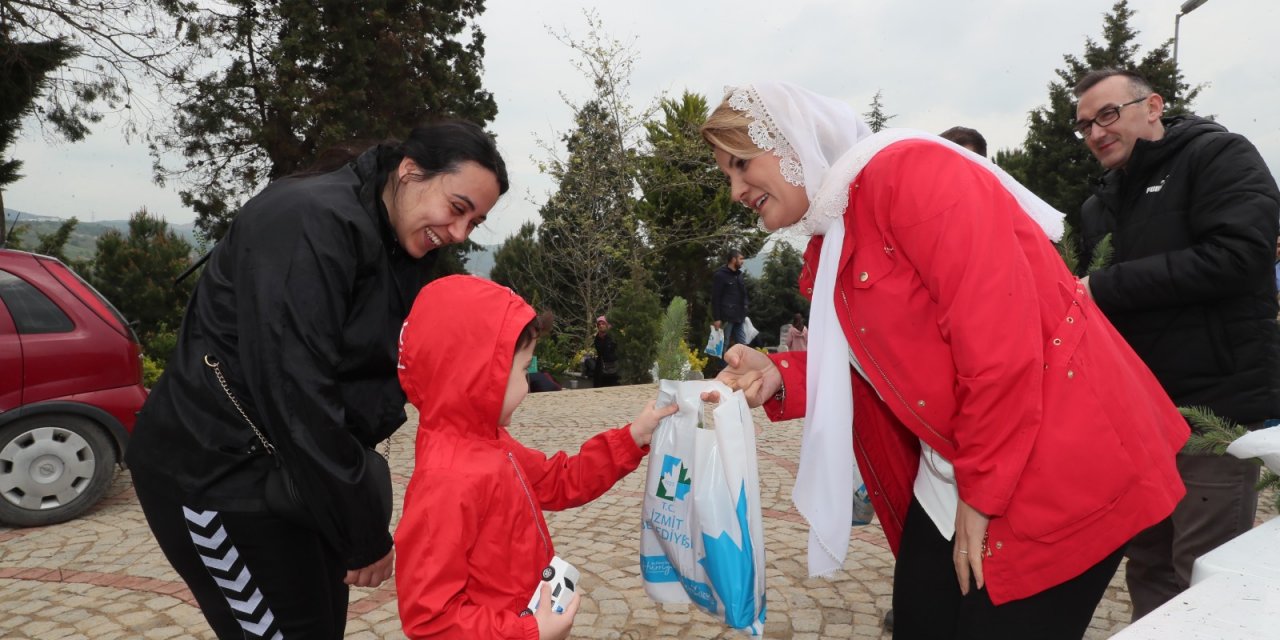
862	277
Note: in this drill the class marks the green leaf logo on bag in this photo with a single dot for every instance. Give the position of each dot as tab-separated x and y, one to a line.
675	480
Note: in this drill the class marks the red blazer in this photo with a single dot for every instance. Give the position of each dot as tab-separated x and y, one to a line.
983	344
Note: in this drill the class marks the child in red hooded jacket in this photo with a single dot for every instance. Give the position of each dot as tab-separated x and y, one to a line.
472	542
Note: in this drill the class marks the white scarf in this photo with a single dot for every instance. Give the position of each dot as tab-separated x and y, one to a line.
822	145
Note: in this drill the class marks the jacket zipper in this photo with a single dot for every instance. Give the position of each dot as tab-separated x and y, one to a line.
875	476
887	381
546	545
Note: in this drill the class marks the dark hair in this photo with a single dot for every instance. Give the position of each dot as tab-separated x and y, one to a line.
1139	85
731	254
437	147
966	137
539	326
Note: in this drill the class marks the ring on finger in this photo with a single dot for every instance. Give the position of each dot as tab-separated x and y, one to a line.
964	552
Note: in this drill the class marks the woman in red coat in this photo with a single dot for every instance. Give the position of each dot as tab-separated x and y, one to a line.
1011	441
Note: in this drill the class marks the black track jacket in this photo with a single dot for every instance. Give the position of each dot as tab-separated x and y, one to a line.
301	303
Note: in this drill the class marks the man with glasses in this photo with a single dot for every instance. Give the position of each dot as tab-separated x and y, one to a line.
1193	215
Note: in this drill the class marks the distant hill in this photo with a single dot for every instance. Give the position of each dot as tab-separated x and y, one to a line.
84	239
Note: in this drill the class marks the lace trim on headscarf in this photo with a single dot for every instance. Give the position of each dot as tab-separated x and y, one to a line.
765	134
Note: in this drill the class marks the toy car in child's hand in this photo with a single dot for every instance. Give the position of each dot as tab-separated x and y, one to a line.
563	578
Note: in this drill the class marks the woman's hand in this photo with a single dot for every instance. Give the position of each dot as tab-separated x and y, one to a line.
751	372
552	625
374	574
971	537
643	426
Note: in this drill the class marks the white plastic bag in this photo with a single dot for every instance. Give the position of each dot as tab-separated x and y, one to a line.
1262	443
715	342
702	537
749	331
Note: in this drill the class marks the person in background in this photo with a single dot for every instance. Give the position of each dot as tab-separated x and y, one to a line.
299	309
797	334
1192	211
1009	456
967	138
729	304
606	372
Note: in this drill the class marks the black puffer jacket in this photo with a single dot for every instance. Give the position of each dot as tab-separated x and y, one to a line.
1194	219
728	295
301	303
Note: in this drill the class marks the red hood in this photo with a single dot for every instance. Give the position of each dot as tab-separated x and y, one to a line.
456	350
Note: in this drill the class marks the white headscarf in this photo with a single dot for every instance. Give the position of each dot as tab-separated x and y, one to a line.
822	145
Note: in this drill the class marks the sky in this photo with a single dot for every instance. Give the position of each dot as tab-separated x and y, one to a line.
979	63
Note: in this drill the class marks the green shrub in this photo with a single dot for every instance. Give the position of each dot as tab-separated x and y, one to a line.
672	356
636	318
151	371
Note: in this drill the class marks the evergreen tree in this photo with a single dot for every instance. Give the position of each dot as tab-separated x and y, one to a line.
671	340
637	321
590	238
1057	166
778	297
136	273
55	244
686	209
877	119
588	235
99	51
516	264
306	75
27	67
452	259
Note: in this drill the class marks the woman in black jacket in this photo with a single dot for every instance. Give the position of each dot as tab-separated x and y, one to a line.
286	364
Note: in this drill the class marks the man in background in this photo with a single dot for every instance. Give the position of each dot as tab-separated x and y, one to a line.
1192	212
729	299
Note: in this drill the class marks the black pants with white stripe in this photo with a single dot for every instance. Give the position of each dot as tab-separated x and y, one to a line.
253	575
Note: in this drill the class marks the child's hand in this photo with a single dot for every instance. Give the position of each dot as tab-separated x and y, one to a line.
552	625
644	424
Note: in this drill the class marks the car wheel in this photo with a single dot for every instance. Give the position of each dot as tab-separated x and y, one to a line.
52	468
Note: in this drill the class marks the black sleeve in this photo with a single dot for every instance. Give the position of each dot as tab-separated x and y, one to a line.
1233	218
717	296
301	288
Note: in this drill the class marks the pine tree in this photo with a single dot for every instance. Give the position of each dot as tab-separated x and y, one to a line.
686	210
637	320
306	75
27	68
1053	163
516	264
137	271
778	297
590	238
877	119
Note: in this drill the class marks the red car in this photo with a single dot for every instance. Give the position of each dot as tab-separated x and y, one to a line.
70	388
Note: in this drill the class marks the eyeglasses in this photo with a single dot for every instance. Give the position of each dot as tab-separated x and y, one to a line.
1105	118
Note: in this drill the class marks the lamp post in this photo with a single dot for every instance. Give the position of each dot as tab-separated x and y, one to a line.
1187	7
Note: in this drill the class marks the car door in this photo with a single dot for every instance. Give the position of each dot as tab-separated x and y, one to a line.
10	362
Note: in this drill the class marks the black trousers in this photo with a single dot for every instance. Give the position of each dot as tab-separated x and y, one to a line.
253	574
927	604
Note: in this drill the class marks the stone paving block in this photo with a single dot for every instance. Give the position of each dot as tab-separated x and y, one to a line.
104	576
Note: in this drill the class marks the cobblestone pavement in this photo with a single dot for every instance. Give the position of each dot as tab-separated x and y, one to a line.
103	577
